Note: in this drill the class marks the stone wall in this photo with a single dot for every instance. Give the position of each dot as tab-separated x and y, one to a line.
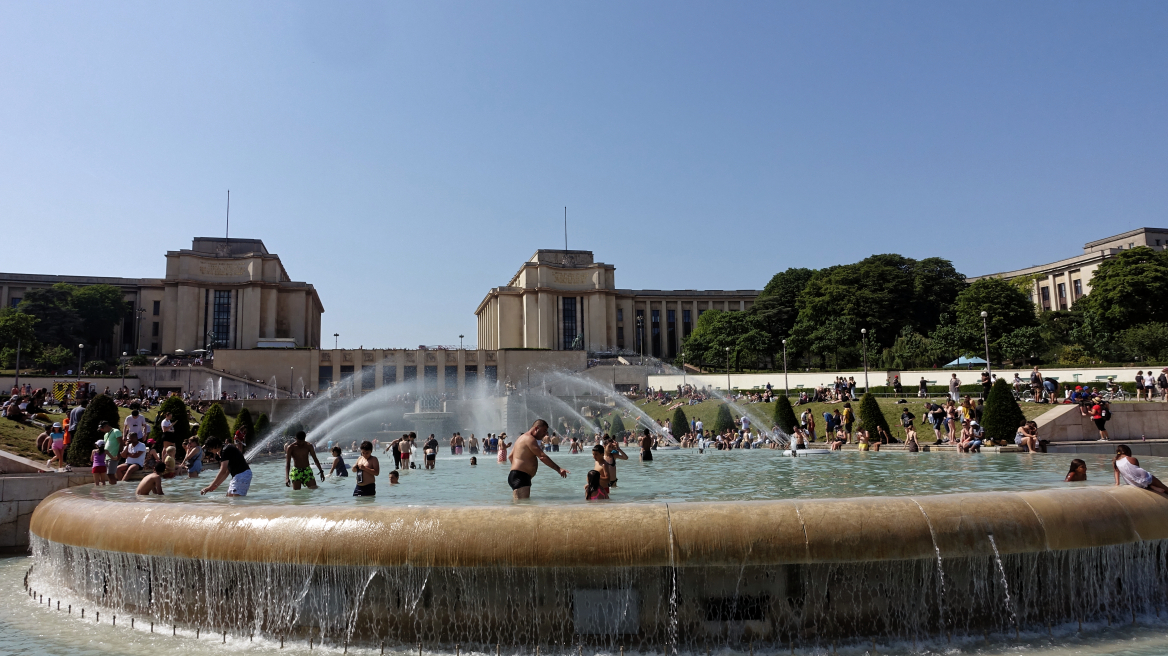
1129	422
21	491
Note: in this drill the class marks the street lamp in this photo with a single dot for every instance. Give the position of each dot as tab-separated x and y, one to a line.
138	339
122	361
460	342
189	377
864	332
682	354
727	370
985	331
641	337
291	380
786	385
336	340
80	349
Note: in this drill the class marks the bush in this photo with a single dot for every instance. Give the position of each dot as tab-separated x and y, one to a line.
617	428
181	420
785	415
261	425
139	360
723	422
872	417
94	367
243	420
679	426
100	408
1001	415
214	424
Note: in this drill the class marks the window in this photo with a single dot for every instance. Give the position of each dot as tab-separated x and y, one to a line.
471	373
491	372
388	375
639	343
154	348
325	376
569	322
1045	292
671	331
346	373
1078	287
157	308
368	377
409	373
620	336
655	339
620	313
154	329
1157	242
221	321
430	378
1131	244
14	301
451	375
1062	295
686	324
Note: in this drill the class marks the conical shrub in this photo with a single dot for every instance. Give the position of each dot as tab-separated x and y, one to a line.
617	428
100	408
723	421
872	417
214	424
785	415
179	418
243	420
1001	415
679	426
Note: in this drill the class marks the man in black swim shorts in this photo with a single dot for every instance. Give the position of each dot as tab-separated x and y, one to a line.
526	454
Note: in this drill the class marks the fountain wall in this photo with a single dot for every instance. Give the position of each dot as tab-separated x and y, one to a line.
682	574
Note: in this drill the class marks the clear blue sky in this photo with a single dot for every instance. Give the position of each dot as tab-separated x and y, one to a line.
406	157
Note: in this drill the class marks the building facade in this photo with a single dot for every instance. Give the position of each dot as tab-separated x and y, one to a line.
220	294
1058	285
565	300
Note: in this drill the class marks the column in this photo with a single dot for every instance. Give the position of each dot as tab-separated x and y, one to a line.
461	364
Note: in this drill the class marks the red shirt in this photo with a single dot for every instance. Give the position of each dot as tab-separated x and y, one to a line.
1097	412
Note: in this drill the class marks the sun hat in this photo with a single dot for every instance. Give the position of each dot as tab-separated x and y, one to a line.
99	444
56	424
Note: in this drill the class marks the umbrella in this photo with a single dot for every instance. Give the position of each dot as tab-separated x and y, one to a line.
964	361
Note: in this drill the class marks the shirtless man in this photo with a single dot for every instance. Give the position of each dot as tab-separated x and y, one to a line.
612	453
599	456
298	453
646	447
152	483
525	457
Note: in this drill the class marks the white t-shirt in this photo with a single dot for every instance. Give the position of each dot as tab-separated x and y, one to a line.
137	454
167	426
698	426
136	425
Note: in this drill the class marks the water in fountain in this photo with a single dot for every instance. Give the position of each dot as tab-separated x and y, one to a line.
300	388
643	419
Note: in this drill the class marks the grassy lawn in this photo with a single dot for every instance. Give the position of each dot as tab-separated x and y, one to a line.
708	410
21	440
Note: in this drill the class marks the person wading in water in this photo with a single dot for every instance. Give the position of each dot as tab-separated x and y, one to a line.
525	458
297	454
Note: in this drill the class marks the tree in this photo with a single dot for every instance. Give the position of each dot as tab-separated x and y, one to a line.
1129	289
1018	345
680	424
936	285
872	417
723	421
1147	341
1008	308
777	305
58	322
17	326
99	308
617	428
54	357
1001	416
180	420
785	414
100	408
214	424
243	420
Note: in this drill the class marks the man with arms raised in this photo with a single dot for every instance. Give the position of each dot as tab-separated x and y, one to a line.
297	454
526	455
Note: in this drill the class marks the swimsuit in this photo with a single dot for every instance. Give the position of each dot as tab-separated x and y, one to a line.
301	475
365	490
99	463
517	479
601	493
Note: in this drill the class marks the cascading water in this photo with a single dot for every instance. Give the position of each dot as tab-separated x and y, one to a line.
643	418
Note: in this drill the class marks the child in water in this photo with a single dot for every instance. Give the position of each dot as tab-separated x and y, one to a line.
1077	473
339	465
592	489
474	461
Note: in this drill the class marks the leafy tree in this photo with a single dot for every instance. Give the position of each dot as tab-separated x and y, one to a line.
1147	341
1129	289
1008	307
261	425
99	308
716	330
214	424
723	421
58	322
1019	344
786	286
618	427
936	285
679	426
872	417
180	420
16	325
1001	415
54	357
243	420
1092	333
1058	326
785	414
777	305
100	408
94	367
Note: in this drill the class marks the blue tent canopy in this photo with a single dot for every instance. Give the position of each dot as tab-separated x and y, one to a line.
964	361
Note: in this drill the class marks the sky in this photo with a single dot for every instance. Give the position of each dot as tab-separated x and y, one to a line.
404	158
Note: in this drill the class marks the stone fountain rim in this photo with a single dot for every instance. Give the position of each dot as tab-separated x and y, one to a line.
652	534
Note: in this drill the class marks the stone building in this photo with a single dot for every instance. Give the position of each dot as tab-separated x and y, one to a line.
565	300
220	294
1058	285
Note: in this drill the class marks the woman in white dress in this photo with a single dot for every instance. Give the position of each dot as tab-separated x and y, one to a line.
1127	467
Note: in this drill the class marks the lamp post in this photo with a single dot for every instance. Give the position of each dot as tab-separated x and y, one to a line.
80	349
17	383
188	378
122	362
460	342
864	332
985	332
727	370
641	337
682	354
336	340
292	380
138	338
786	385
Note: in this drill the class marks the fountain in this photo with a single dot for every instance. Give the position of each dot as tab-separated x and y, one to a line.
762	571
